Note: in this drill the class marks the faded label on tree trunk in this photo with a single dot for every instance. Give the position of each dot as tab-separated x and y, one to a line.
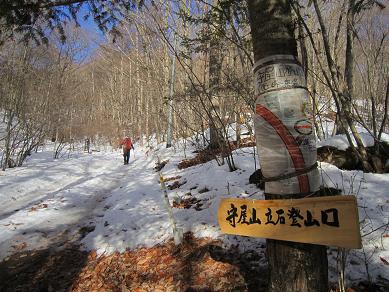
284	126
329	221
279	76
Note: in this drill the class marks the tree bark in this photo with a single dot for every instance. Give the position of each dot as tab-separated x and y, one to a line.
346	98
169	137
215	66
292	266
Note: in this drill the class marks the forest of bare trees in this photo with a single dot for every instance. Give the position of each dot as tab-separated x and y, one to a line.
76	73
99	85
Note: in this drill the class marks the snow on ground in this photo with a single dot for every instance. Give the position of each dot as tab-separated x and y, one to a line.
340	141
372	194
47	202
46	199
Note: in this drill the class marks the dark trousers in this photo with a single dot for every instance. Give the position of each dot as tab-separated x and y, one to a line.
126	155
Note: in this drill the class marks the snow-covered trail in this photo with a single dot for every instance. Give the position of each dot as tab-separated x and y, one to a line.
47	202
96	201
134	213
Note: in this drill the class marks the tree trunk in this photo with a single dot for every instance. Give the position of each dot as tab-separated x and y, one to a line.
283	145
7	153
169	137
316	114
215	66
346	98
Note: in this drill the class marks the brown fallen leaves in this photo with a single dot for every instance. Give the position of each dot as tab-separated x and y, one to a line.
175	185
188	203
19	246
166	179
160	165
190	267
199	264
202	157
37	207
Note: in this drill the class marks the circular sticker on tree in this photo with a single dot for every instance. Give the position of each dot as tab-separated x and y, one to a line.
303	127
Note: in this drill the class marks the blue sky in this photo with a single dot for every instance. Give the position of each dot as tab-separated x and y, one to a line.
93	34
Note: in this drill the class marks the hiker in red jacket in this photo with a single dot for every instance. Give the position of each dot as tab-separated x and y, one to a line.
127	146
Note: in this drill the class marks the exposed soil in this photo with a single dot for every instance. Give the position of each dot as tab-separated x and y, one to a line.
343	159
201	157
188	203
347	160
206	155
175	185
160	165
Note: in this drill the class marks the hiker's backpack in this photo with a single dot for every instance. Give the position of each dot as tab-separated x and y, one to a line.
127	143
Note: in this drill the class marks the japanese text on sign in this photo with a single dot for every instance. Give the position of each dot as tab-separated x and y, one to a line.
323	220
278	76
293	216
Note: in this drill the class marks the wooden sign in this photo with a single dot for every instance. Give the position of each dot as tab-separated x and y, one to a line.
323	220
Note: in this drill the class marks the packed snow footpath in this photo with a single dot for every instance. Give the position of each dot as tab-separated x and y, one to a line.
95	200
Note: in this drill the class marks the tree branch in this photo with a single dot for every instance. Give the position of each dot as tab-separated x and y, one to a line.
40	5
